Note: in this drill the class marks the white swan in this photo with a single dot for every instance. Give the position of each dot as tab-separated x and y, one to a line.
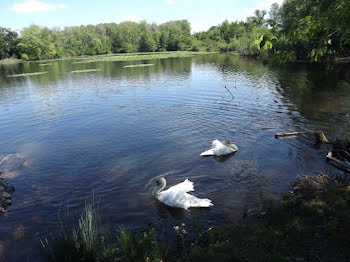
220	148
177	196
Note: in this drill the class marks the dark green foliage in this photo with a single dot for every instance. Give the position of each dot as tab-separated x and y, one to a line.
8	43
316	29
127	37
301	30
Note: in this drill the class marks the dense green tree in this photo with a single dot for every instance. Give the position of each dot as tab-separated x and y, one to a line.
147	41
8	43
127	37
175	35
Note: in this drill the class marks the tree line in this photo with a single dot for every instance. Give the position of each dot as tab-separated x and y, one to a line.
298	29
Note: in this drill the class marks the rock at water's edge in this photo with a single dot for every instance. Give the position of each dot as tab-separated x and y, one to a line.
5	195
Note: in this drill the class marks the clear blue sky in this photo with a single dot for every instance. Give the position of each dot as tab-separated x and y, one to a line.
202	14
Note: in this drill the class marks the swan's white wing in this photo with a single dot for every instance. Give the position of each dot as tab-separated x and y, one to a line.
211	152
186	186
220	149
182	200
216	143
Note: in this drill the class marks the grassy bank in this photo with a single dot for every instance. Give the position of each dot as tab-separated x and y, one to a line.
310	225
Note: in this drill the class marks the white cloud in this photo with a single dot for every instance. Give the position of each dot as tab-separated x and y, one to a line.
169	2
197	27
132	18
263	5
35	6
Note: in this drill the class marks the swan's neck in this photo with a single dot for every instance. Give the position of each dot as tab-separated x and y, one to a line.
157	190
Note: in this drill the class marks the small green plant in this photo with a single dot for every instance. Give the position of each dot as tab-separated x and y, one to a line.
141	245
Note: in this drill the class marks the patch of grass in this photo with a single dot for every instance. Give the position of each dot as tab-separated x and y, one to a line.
139	65
84	71
28	74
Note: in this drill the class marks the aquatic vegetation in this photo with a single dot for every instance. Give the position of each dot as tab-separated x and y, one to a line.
139	65
84	71
135	57
28	74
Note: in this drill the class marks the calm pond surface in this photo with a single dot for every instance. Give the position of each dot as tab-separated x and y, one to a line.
110	132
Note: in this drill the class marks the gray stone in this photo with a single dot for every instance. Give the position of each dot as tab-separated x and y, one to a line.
8	202
5	195
2	188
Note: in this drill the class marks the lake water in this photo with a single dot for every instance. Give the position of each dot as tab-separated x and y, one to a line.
109	133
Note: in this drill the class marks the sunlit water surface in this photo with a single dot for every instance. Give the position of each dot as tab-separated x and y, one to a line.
109	133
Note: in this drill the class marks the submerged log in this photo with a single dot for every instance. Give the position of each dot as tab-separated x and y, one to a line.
338	163
319	135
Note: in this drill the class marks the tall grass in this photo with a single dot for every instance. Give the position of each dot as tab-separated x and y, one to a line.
87	236
89	242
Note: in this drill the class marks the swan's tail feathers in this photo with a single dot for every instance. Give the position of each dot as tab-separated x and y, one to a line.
206	203
209	152
192	201
187	186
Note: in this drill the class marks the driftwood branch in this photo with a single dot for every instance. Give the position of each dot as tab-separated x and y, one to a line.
6	157
338	163
228	90
319	135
